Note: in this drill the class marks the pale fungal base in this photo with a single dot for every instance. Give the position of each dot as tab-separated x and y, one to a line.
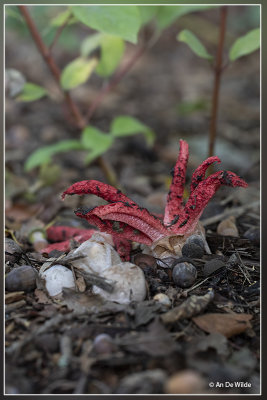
171	246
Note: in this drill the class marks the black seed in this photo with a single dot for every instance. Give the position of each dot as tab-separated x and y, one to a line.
192	250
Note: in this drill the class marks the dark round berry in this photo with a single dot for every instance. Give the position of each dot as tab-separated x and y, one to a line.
196	239
184	274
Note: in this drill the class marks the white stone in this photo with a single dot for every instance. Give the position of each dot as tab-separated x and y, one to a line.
130	283
162	299
100	255
56	278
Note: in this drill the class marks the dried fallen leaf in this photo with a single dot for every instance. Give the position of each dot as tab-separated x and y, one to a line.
156	342
228	227
215	341
226	324
192	306
88	303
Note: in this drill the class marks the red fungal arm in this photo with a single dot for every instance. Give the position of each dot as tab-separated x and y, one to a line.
175	195
123	247
103	190
199	173
118	230
138	218
62	233
200	197
62	246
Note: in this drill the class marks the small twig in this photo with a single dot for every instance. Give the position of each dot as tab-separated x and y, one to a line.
237	211
93	279
74	277
243	269
196	286
217	77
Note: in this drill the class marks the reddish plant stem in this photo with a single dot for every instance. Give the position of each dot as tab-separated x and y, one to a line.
79	120
217	78
51	64
114	82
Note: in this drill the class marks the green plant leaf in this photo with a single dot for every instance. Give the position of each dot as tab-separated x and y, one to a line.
44	154
96	141
194	43
168	14
77	72
112	48
31	92
122	21
148	12
245	44
12	11
127	126
90	43
63	17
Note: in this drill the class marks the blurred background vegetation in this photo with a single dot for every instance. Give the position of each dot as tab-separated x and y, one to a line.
168	91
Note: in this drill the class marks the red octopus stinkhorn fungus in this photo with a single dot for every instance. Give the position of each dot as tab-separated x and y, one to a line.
125	219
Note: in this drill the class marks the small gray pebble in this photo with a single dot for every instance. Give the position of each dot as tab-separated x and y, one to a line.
21	278
253	234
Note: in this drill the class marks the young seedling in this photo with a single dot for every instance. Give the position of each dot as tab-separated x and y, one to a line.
125	219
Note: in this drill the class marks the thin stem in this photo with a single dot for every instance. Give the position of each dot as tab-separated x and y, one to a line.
217	78
114	82
80	121
51	64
